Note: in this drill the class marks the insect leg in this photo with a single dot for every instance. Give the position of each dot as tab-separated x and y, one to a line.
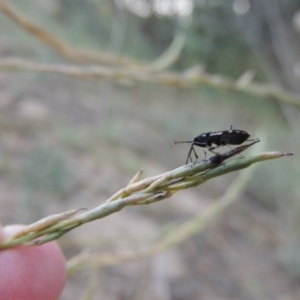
189	155
196	156
233	148
211	150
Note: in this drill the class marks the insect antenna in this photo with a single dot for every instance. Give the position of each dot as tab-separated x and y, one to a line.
182	142
192	150
189	156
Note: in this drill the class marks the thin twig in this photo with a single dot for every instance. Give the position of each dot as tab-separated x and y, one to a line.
141	75
167	58
142	192
69	52
178	234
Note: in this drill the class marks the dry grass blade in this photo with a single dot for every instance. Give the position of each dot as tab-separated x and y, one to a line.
88	56
140	75
178	234
69	52
46	222
137	177
146	191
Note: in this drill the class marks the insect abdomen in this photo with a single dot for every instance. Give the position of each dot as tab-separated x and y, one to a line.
235	137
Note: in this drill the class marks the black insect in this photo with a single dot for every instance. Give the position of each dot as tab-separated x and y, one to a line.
215	139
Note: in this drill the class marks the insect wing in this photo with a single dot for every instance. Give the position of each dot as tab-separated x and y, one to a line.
215	137
234	137
216	133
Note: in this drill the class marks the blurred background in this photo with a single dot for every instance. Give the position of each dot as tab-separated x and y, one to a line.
171	71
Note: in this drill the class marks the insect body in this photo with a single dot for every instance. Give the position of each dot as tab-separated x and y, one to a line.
215	139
